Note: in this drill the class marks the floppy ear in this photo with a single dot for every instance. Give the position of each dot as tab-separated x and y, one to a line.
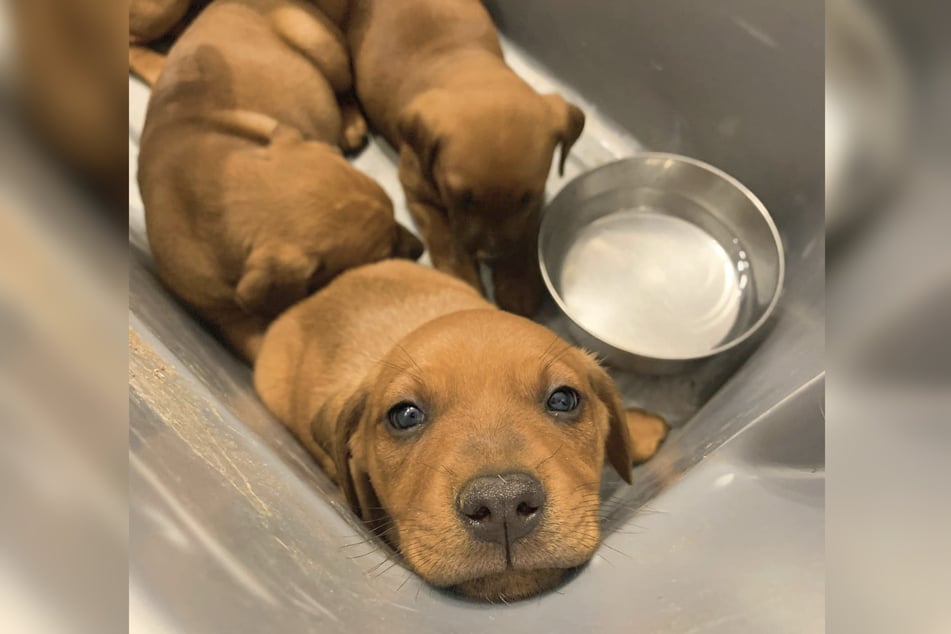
618	444
352	477
407	246
275	276
569	122
418	128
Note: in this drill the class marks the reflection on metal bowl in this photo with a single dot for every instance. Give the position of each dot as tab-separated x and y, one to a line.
659	260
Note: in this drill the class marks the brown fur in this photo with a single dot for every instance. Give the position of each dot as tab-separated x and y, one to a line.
475	141
249	204
332	366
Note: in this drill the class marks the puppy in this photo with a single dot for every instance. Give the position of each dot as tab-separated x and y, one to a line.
475	141
249	204
478	435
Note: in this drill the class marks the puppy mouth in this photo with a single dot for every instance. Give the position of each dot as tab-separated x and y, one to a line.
500	577
512	584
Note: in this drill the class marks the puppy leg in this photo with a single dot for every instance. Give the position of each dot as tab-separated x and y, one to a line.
647	432
432	221
353	133
518	281
445	253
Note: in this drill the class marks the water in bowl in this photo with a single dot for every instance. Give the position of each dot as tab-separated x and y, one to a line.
657	285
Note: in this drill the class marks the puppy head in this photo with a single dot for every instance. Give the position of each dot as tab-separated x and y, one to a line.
279	274
339	220
488	153
482	436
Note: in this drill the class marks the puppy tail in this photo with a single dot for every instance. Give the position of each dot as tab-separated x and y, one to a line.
255	126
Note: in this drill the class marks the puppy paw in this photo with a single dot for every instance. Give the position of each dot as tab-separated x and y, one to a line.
520	295
355	133
647	432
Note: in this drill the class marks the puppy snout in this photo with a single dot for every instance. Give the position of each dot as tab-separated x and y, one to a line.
501	508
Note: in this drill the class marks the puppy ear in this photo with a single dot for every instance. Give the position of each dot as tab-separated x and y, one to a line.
275	276
418	128
407	245
352	478
618	444
569	122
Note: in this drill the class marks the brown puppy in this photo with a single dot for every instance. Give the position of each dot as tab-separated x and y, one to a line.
480	434
249	204
475	141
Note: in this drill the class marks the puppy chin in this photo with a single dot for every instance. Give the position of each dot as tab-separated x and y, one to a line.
512	585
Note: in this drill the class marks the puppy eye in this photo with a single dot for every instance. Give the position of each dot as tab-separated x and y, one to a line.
405	416
564	399
526	198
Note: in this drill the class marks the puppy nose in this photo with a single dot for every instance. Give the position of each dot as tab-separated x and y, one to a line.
501	508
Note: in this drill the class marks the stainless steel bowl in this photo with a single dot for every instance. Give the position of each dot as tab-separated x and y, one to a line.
659	261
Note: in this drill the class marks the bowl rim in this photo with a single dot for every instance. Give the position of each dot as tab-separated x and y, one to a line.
743	189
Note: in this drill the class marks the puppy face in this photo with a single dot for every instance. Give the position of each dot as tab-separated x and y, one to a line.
482	437
488	154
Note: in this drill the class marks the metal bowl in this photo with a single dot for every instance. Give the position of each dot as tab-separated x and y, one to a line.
659	261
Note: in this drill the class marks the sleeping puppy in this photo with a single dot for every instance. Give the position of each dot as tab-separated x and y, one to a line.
475	141
479	434
249	203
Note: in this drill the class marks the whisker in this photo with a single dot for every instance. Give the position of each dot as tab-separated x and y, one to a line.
385	570
551	344
408	575
610	547
605	559
552	359
374	568
408	356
